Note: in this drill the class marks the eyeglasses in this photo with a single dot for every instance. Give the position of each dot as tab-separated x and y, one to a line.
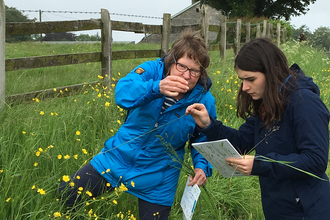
183	68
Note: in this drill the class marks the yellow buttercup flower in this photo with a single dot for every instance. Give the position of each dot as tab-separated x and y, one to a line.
90	213
57	214
115	202
88	193
59	156
66	178
33	187
132	183
77	132
122	188
66	157
41	191
7	200
38	153
42	112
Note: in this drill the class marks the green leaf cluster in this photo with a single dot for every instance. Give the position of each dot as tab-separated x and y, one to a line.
259	8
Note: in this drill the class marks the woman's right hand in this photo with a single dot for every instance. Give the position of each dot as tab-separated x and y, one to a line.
200	114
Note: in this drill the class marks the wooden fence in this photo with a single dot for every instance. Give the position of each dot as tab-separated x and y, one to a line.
106	55
2	54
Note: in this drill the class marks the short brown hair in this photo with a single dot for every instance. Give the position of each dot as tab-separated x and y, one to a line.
194	46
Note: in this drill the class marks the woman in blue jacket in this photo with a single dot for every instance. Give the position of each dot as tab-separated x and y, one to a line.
156	95
285	121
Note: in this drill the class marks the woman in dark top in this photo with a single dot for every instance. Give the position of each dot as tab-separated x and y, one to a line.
285	121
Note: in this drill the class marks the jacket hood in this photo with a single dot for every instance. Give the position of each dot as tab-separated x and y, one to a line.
200	82
301	81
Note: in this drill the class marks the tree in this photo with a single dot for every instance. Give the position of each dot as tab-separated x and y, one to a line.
62	36
13	15
86	37
321	38
302	29
261	8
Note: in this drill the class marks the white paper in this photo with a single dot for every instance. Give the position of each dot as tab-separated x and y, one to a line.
216	153
189	200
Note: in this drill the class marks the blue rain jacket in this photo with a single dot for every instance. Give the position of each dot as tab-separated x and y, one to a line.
137	152
301	138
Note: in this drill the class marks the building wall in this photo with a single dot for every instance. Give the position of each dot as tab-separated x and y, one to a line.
189	16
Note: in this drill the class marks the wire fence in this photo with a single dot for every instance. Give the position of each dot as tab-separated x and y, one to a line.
44	16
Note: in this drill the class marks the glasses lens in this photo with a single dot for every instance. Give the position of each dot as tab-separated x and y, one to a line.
181	67
195	73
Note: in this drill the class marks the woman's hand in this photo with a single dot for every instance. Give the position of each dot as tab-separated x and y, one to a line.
173	85
199	178
243	165
200	114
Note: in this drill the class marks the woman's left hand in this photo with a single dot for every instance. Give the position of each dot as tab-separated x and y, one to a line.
243	165
199	178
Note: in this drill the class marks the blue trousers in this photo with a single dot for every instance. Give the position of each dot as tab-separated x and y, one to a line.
92	181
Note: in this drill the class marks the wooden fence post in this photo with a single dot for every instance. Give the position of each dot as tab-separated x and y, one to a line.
264	29
258	34
2	53
284	35
237	42
271	33
40	21
205	25
278	33
223	34
166	34
268	30
248	31
106	50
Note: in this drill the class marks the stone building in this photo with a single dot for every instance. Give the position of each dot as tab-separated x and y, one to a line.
189	16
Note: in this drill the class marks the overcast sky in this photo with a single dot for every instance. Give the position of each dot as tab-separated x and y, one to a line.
153	10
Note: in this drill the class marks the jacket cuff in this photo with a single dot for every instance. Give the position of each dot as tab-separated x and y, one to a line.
155	89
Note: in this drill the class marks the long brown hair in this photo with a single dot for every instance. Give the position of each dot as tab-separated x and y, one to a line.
194	46
262	55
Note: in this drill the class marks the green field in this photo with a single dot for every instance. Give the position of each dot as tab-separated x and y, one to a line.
43	140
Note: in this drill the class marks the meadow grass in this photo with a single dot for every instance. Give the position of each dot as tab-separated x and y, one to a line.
45	140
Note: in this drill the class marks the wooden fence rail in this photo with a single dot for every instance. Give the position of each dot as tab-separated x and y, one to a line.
106	55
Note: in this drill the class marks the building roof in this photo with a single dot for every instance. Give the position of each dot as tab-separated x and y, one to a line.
189	7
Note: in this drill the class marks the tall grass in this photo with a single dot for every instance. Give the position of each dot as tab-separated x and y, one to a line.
44	140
